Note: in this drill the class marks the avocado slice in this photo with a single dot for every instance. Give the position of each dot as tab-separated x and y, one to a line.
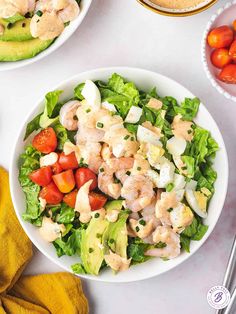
92	253
19	31
114	205
115	237
14	51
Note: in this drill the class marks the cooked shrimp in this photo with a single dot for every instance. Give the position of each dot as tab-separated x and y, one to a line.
148	213
137	192
9	8
182	129
170	238
116	262
168	201
31	5
91	154
140	230
70	12
106	179
86	134
121	141
141	165
48	26
106	152
67	115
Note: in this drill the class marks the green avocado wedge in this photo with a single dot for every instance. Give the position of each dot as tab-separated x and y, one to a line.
20	50
92	254
19	31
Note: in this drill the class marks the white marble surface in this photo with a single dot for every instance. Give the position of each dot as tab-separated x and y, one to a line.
124	33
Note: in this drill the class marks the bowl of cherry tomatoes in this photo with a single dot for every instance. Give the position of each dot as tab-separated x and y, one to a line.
219	50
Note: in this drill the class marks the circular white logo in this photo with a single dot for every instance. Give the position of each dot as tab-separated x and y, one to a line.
218	297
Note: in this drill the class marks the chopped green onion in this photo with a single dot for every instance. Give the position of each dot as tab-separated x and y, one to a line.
100	125
137	229
91	250
39	13
128	173
111	241
126	137
96	215
88	110
142	222
169	187
139	168
101	170
170	210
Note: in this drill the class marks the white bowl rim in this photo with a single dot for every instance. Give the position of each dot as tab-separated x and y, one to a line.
70	29
14	158
209	75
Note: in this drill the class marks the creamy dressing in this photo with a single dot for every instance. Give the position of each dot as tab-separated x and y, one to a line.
177	4
182	129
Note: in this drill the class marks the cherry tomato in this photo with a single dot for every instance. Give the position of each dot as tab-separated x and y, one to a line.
56	168
65	181
45	141
228	74
220	37
68	161
232	50
220	57
234	25
83	175
41	176
96	200
70	198
51	194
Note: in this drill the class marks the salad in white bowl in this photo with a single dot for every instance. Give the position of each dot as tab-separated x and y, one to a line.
116	176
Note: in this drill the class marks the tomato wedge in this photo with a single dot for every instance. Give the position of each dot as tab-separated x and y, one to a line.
41	176
65	181
56	168
70	198
83	175
96	200
68	161
220	37
228	74
45	141
51	194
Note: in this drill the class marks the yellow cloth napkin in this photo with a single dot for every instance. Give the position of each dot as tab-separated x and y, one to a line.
58	293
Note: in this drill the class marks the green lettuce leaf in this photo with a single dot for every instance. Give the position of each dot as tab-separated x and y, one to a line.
185	243
188	108
32	126
78	268
66	215
78	90
69	245
190	164
136	250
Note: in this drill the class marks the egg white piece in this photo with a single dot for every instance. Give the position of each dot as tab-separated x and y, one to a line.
92	94
179	182
147	136
166	174
191	185
134	114
176	146
108	106
153	176
194	203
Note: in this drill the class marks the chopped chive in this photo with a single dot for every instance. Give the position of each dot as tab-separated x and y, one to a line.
39	13
184	168
91	250
170	210
88	110
9	25
23	24
128	173
101	170
100	125
142	222
126	137
132	138
189	131
137	229
139	168
169	187
96	215
111	241
98	235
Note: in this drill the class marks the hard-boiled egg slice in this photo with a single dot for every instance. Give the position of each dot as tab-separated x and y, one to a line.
191	185
153	176
179	182
92	94
134	114
147	136
197	201
176	146
179	195
166	174
109	106
181	217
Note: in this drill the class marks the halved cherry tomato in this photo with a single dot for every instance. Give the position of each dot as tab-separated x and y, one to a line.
83	175
70	198
56	168
51	194
220	57
96	200
234	25
220	37
228	74
41	176
65	181
45	141
68	161
232	50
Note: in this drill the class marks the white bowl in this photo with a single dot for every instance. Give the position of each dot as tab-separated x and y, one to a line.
224	16
68	31
145	80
